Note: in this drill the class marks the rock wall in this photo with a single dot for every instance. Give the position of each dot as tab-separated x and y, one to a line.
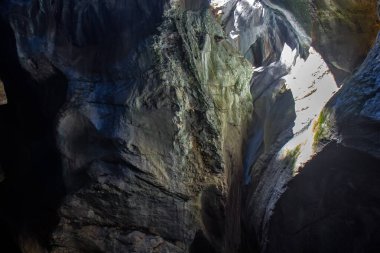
302	52
260	28
330	23
176	126
352	116
152	130
260	32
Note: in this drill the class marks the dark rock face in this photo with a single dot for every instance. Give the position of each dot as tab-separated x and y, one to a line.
333	205
152	129
76	36
195	5
353	114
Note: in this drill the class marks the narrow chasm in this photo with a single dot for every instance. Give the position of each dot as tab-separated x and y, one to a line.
333	205
31	185
189	126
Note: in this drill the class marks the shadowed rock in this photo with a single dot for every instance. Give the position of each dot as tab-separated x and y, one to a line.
156	112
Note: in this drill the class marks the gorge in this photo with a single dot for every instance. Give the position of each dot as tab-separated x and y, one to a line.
170	126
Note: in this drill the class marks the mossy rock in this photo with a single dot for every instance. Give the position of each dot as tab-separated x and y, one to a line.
291	157
322	129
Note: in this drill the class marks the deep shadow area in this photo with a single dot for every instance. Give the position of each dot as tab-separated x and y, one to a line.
33	185
213	215
91	39
333	205
201	244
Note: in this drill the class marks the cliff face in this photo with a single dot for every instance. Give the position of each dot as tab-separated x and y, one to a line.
176	126
157	143
152	129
